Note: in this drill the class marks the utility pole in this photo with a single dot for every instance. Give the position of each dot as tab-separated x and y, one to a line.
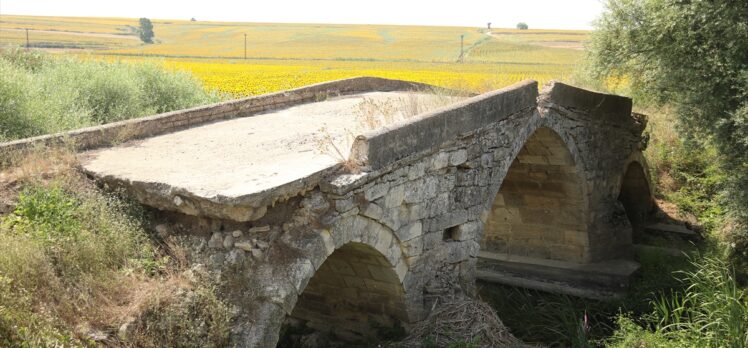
27	39
462	48
245	45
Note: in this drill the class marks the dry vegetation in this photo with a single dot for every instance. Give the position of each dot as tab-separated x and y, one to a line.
372	114
461	322
80	267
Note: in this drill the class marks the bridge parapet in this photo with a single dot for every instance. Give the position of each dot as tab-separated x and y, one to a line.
118	132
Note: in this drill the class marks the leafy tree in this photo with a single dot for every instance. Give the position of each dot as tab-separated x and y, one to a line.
692	54
522	26
146	30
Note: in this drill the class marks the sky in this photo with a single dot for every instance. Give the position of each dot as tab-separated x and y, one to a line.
538	14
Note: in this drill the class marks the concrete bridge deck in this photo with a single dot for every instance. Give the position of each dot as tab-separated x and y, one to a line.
243	161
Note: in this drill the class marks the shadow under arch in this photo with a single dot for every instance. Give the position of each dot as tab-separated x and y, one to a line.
540	209
353	295
635	196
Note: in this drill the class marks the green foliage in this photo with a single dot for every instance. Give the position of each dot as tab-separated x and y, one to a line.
559	320
630	334
688	176
41	94
710	312
522	26
83	234
146	30
693	55
548	319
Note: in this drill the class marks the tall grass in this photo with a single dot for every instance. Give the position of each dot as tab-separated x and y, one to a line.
41	94
711	312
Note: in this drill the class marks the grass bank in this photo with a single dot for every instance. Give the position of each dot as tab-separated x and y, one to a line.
80	267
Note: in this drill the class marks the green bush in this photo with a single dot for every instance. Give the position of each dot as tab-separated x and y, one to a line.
41	94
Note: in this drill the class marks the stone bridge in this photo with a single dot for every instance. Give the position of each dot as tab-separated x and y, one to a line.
533	189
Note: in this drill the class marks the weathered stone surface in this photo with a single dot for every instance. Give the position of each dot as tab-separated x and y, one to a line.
246	246
500	172
458	157
216	240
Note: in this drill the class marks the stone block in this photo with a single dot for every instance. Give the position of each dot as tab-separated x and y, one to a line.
409	232
447	183
416	170
416	212
361	269
466	231
441	160
384	240
394	197
440	204
414	192
341	267
499	200
258	229
246	246
344	205
228	242
375	191
383	274
486	160
355	282
328	241
432	240
413	247
401	270
430	187
458	157
373	211
216	241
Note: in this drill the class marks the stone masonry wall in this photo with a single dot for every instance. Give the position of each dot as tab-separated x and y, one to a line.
409	228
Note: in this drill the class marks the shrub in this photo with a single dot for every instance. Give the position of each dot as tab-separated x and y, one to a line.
40	94
192	318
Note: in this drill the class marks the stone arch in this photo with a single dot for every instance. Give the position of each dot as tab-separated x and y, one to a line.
635	194
358	287
354	292
540	207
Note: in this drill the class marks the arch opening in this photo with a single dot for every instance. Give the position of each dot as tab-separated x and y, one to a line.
636	197
354	295
539	210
